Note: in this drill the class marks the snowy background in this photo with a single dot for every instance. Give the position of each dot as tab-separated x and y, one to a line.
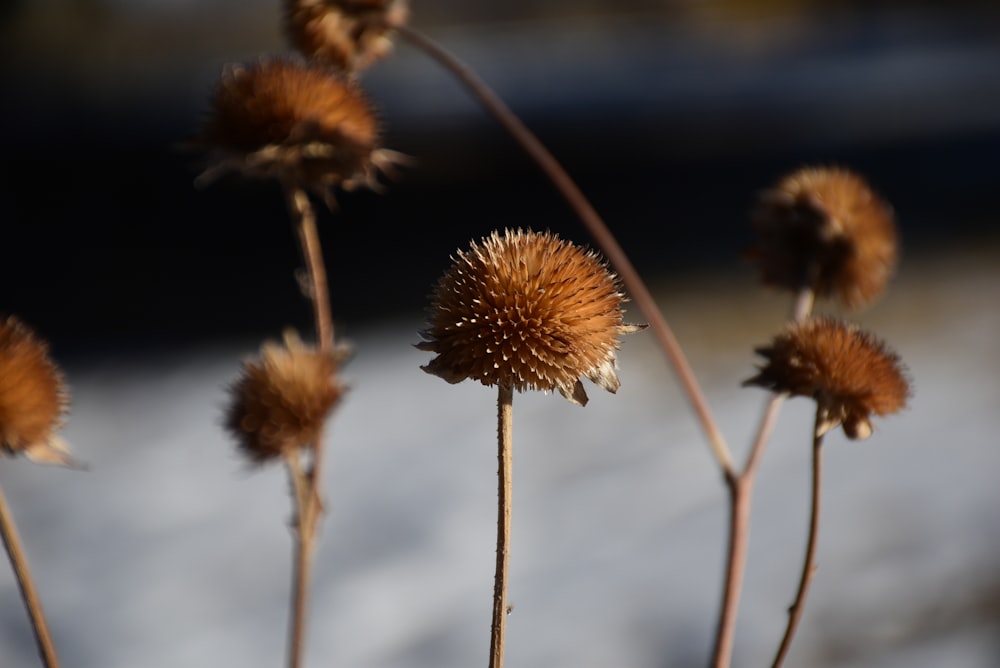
171	552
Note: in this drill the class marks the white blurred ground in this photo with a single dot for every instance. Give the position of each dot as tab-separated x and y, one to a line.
170	552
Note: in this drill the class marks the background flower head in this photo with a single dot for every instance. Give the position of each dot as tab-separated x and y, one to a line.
529	311
349	34
298	123
282	399
824	228
850	373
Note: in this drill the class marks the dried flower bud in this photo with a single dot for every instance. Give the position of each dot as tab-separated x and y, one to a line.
824	228
849	373
299	124
526	310
281	401
349	34
33	397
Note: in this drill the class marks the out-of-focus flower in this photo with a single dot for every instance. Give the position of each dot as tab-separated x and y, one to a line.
528	311
300	124
850	373
825	229
349	34
33	397
282	399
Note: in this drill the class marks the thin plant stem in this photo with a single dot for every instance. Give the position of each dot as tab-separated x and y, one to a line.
740	487
505	401
19	563
592	221
307	481
809	563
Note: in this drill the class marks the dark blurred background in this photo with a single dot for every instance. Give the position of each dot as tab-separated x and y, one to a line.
671	115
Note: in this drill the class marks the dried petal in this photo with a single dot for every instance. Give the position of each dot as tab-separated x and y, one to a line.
349	34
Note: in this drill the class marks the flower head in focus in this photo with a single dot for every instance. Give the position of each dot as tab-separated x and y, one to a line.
33	397
300	124
528	311
825	229
348	34
850	373
282	399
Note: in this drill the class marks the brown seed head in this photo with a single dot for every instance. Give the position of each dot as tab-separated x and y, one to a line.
348	34
33	397
297	123
824	228
849	373
281	401
526	310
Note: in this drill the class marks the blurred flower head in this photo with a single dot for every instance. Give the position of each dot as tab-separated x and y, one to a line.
33	396
824	228
348	34
300	124
850	373
282	399
528	311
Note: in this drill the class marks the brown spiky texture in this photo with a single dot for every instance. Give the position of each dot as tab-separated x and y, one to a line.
850	373
826	229
33	396
348	34
282	399
298	123
529	311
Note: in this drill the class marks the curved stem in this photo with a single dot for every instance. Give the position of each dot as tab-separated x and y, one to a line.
19	563
809	563
304	218
498	632
600	232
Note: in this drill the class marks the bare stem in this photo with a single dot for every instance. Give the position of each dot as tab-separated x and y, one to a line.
809	563
307	481
505	401
19	563
600	232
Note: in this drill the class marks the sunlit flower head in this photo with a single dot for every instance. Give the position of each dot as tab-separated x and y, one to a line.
348	34
33	396
824	228
528	311
850	373
297	123
281	401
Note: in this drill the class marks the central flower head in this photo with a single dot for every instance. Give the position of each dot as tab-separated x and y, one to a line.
528	311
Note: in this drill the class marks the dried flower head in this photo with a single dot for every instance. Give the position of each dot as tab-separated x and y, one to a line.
281	401
526	310
849	373
824	228
297	123
349	34
33	396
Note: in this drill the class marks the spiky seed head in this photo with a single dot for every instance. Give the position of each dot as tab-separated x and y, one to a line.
282	399
850	373
301	124
528	311
348	34
33	395
826	229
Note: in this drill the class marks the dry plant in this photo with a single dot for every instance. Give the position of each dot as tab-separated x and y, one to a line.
525	310
33	403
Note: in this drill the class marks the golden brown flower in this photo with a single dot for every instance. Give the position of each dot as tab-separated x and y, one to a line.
297	123
849	373
33	396
526	310
349	34
824	228
281	401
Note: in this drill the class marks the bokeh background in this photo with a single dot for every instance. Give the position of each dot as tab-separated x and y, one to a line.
671	115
